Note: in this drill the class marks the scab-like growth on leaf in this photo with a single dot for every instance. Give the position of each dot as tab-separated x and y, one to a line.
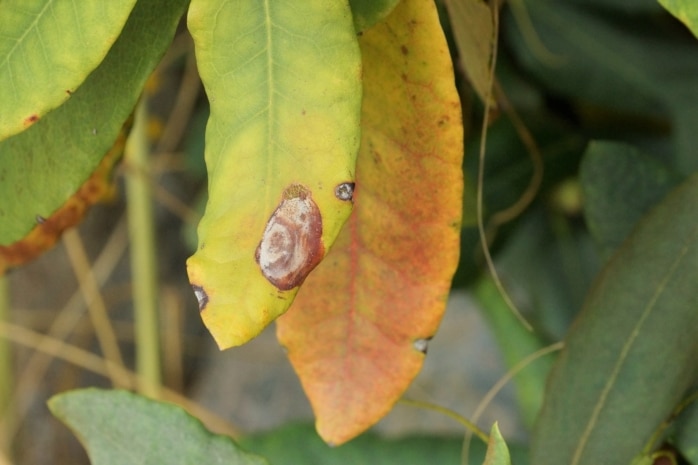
31	119
421	345
201	296
344	191
291	245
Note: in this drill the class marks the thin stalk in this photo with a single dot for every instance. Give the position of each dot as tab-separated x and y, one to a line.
141	228
6	374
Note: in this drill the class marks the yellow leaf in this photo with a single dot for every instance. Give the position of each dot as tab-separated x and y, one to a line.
283	81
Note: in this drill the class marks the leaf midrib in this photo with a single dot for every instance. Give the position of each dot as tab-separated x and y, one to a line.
610	383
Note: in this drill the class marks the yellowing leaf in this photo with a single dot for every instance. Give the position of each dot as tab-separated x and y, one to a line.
47	230
283	80
358	330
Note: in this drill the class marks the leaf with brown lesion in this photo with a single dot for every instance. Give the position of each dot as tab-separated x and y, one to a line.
49	229
358	330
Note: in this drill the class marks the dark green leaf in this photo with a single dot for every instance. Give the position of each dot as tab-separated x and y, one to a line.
296	444
118	427
616	61
369	12
620	185
631	353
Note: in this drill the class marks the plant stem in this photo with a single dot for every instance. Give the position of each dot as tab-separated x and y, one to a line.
143	262
6	375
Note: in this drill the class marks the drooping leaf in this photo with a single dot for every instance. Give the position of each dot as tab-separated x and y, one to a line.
685	10
630	356
283	80
620	185
51	171
369	12
47	49
497	450
359	328
471	21
299	444
118	427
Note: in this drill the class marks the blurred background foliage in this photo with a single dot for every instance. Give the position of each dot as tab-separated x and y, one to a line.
568	73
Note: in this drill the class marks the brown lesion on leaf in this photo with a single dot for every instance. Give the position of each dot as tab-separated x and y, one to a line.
291	245
31	119
49	228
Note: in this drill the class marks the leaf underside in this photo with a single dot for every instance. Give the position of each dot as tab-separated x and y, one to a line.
156	432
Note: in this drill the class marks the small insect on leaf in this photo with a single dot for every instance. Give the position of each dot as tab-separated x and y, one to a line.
291	245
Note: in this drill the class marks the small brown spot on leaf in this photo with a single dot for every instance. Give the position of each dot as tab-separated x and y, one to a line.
31	119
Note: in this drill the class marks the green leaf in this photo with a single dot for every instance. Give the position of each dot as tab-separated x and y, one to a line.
630	356
118	427
685	10
686	437
516	343
43	166
283	80
497	450
617	61
299	444
47	50
619	186
369	12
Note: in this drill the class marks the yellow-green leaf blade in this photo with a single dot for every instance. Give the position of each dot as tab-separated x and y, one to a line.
283	79
359	328
47	49
685	10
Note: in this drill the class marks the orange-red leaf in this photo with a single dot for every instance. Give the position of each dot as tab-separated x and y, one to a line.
357	332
